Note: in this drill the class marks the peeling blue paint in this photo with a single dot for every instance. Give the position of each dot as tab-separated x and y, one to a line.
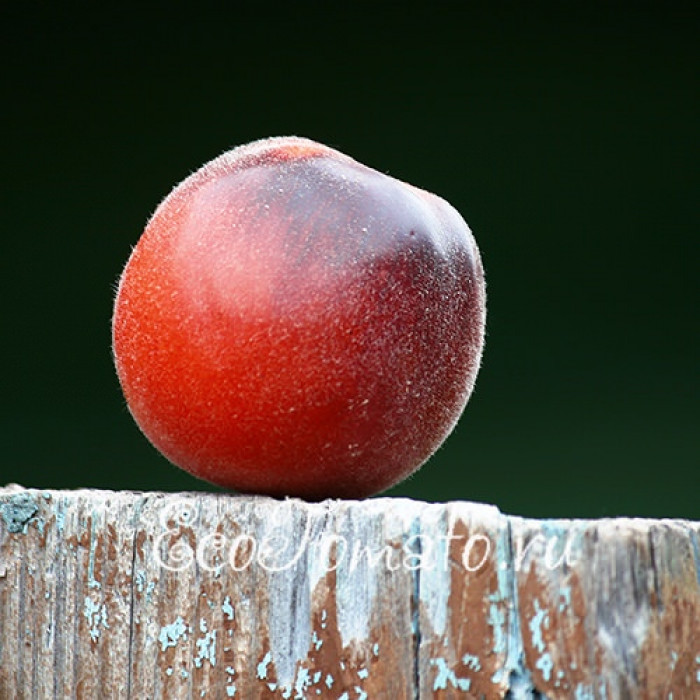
302	683
96	615
329	681
375	649
170	635
18	511
560	678
262	666
206	648
231	690
497	620
140	583
361	695
509	639
169	671
60	518
227	608
363	673
545	664
540	618
471	662
584	692
446	675
506	632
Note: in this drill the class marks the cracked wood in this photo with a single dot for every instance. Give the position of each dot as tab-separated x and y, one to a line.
153	595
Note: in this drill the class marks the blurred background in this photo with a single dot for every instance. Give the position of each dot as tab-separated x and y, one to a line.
566	134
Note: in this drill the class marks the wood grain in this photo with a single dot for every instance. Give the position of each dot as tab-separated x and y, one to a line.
193	595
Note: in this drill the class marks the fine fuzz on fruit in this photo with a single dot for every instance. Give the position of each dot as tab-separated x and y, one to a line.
292	322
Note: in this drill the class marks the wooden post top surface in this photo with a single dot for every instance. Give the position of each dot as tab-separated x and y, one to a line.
200	595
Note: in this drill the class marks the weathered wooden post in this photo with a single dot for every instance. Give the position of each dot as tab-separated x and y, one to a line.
153	595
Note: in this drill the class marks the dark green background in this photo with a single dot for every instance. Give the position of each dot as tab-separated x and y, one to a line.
565	134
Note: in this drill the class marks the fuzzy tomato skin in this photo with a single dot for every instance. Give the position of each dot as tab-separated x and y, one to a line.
292	322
